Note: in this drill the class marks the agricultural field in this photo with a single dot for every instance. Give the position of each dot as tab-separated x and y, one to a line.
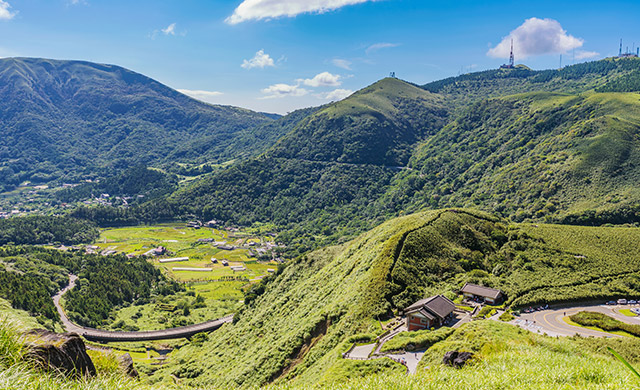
213	290
181	241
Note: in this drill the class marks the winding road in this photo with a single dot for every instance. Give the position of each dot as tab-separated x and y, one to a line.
552	322
106	336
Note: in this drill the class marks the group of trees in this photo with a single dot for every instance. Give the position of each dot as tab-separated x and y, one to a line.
140	180
31	275
107	282
40	229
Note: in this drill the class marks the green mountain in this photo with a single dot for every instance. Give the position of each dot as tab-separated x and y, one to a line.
557	145
66	119
378	125
323	177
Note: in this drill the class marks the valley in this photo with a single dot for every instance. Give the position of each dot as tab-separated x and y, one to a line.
285	251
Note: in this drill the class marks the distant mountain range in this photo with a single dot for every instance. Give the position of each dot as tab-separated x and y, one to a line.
553	145
68	119
557	145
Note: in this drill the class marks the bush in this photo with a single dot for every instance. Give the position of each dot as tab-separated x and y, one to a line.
604	322
416	340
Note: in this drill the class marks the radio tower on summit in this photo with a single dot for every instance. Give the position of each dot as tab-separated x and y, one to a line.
511	63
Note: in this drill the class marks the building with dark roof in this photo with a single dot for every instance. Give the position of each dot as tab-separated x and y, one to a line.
486	294
429	312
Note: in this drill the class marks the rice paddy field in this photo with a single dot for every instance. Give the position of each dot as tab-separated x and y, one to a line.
181	241
213	290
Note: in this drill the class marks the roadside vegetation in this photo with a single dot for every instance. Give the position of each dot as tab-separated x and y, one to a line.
604	322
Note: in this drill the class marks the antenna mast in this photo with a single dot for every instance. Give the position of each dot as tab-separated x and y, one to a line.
620	54
511	61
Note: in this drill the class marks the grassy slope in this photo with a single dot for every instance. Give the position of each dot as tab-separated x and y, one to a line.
318	301
297	329
509	358
535	155
377	125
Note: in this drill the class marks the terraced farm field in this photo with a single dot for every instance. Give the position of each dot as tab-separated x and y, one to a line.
212	289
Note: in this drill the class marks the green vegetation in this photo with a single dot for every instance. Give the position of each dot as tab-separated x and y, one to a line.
506	317
107	282
112	118
526	145
38	229
604	322
278	337
627	312
412	341
138	183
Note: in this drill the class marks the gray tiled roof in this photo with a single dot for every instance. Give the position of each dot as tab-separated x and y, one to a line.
437	305
481	291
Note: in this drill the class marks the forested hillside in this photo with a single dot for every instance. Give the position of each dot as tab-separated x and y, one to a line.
323	178
66	119
542	156
30	275
392	148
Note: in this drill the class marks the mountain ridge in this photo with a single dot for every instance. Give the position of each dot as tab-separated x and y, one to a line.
68	118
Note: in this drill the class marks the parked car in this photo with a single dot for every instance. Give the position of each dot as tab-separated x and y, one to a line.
633	302
622	301
611	303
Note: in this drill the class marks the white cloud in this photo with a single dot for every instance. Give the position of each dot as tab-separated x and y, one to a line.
337	94
582	54
536	37
77	2
284	90
340	63
267	9
378	46
260	60
5	12
170	30
206	96
324	79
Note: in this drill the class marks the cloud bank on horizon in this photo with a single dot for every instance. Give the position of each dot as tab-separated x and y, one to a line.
536	37
268	9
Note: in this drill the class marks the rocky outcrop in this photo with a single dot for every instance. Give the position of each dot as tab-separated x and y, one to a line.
126	365
64	353
456	359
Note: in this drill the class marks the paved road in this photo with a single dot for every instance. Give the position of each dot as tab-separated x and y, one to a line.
104	335
362	352
411	359
551	321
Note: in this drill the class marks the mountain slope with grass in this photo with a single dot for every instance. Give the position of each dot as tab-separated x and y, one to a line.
537	156
323	177
378	125
551	147
65	119
296	324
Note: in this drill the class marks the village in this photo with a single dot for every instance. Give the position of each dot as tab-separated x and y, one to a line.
195	252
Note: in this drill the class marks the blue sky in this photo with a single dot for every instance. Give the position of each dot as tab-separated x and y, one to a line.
279	55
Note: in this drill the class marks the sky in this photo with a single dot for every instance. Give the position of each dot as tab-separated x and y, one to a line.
281	55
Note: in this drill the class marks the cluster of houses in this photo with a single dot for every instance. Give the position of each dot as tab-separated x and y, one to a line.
7	214
437	310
